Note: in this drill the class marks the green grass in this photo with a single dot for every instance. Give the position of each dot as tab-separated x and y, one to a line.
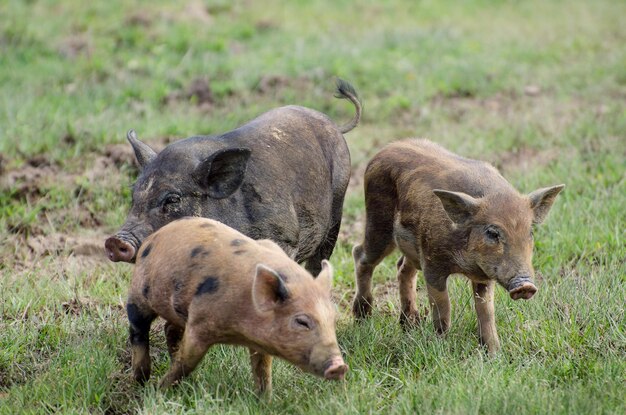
537	88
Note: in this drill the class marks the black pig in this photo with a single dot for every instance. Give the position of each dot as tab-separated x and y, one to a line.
282	176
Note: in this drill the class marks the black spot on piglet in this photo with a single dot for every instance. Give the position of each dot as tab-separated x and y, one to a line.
180	310
139	324
209	286
237	242
197	250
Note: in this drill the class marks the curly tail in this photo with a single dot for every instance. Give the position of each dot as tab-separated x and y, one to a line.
347	91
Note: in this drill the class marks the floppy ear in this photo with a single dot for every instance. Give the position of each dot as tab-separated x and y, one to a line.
541	201
223	172
143	153
268	289
325	277
460	207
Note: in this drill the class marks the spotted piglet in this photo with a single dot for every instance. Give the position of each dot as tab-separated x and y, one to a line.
214	285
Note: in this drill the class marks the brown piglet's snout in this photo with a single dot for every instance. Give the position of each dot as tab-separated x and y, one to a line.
522	287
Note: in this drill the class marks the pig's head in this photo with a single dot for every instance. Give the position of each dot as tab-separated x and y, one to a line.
179	181
300	318
499	234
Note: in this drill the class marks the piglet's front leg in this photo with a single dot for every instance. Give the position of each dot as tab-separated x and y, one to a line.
262	372
439	302
483	301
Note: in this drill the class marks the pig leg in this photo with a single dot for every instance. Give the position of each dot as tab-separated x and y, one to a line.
364	268
378	243
173	334
192	349
407	279
325	250
140	319
439	302
262	371
483	301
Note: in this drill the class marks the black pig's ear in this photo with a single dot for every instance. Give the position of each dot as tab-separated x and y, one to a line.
143	152
223	172
460	207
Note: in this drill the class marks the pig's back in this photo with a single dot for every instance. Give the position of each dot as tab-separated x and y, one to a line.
300	163
191	257
295	144
418	166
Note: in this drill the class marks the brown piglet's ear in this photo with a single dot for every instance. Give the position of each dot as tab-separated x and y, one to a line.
143	153
460	207
325	277
268	289
541	201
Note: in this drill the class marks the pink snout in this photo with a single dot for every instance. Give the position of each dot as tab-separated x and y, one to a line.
525	291
119	250
336	369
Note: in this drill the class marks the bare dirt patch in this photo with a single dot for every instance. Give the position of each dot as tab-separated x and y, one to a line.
29	180
141	18
198	92
273	84
42	226
525	158
197	10
352	229
76	45
459	106
58	243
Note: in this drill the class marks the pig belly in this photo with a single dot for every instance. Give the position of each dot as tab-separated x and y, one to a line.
406	243
173	311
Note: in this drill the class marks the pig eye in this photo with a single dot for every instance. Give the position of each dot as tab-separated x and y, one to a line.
492	234
171	200
303	322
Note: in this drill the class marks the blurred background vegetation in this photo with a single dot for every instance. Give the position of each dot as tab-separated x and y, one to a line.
536	87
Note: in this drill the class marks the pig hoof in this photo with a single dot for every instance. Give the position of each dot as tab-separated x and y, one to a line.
412	319
141	376
525	291
362	308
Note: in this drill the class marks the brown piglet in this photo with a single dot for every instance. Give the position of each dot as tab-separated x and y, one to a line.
447	215
214	285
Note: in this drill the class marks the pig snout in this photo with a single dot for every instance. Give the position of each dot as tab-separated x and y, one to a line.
522	287
335	369
119	249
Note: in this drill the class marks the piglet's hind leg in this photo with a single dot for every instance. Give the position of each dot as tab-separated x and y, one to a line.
192	349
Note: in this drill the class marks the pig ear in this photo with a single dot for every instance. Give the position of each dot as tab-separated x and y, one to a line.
223	172
460	207
541	201
143	152
325	277
268	289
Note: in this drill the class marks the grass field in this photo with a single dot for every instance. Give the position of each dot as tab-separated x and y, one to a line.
538	88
